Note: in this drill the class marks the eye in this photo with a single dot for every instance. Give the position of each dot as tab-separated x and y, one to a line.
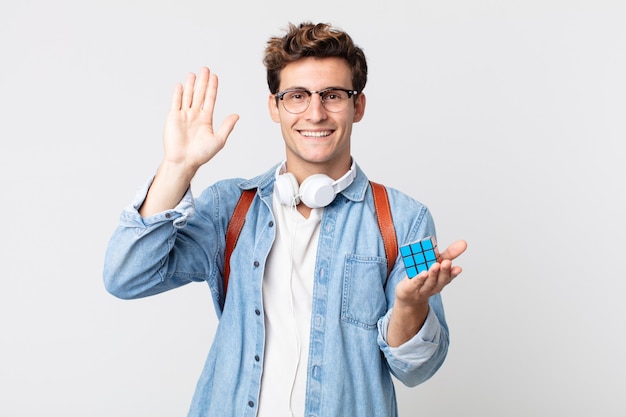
297	95
334	95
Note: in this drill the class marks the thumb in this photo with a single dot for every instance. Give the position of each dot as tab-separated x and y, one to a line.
227	126
454	250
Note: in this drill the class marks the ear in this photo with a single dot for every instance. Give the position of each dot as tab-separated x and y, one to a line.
359	107
272	105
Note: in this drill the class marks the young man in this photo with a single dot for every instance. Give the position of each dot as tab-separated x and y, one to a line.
311	324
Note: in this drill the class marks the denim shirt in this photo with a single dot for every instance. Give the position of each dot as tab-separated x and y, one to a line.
350	364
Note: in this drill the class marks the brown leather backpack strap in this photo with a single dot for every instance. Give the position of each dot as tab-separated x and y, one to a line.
233	231
385	223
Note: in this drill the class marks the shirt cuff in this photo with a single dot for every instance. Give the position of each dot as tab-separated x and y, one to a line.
178	215
419	348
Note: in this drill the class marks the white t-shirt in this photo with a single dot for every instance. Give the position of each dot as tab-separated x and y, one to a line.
287	298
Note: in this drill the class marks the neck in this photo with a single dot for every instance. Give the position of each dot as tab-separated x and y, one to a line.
304	210
334	169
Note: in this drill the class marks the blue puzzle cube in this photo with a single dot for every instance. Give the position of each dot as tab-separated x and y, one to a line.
419	256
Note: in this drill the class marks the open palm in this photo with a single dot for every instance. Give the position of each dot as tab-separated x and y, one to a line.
190	138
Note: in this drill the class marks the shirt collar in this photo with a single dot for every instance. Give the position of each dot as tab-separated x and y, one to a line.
265	183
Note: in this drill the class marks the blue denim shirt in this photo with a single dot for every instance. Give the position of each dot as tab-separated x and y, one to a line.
350	364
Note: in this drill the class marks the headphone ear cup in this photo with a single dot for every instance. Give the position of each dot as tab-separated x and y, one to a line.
286	186
317	191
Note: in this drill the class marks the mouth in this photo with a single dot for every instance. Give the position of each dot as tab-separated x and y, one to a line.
315	133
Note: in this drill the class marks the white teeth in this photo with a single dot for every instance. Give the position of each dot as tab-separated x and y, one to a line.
315	134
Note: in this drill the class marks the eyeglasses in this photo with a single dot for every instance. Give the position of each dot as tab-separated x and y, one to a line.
297	100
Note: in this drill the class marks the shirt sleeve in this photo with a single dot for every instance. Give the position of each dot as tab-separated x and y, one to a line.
147	256
420	357
178	215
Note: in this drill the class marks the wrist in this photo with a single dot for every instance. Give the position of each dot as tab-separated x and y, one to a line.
177	172
411	309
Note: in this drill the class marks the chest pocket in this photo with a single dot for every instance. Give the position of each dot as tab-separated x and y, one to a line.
363	297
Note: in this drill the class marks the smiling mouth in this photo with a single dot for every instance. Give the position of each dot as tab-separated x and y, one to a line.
316	134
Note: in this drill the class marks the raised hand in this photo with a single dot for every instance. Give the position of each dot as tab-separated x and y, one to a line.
189	140
428	283
189	137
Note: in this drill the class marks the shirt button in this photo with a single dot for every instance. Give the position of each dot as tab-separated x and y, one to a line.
251	403
168	215
256	264
270	224
257	312
257	358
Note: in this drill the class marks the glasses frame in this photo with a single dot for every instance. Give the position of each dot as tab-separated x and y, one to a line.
281	95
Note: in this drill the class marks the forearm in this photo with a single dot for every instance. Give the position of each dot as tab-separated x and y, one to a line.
167	189
405	322
416	360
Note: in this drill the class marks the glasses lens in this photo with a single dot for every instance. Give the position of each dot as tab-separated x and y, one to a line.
296	101
334	100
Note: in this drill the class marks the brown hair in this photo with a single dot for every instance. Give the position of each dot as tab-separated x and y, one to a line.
313	40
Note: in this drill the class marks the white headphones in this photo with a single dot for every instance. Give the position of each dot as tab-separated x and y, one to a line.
316	191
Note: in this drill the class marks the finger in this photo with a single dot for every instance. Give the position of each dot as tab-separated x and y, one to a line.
447	273
439	275
210	95
454	250
425	284
188	90
456	271
227	126
428	280
199	91
177	97
418	280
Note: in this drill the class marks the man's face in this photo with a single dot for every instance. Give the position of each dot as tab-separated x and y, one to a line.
317	140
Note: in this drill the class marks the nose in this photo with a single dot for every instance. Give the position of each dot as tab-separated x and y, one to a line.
316	110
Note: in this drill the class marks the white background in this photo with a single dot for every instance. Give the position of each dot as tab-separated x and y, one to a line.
507	118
